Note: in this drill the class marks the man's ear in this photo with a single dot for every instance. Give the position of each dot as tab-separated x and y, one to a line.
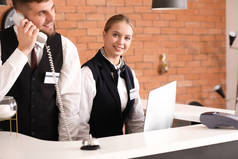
18	11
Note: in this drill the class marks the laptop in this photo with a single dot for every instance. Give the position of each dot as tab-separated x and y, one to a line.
160	107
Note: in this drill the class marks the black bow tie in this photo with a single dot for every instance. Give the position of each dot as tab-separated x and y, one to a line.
115	76
115	73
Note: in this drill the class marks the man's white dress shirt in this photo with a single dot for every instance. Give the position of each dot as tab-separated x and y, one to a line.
69	81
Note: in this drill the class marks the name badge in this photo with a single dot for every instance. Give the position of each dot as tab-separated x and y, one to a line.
49	78
133	93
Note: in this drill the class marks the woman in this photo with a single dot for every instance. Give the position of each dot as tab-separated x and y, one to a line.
110	95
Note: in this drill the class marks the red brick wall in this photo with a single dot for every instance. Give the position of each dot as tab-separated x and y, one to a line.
193	40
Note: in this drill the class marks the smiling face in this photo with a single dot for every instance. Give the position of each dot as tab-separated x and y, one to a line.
42	15
117	39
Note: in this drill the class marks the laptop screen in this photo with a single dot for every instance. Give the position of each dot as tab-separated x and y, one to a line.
160	107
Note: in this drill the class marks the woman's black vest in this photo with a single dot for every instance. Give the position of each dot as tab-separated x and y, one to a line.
36	101
106	116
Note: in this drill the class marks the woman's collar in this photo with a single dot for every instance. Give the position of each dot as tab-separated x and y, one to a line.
121	62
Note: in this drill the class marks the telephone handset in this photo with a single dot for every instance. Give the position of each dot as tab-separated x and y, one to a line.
42	37
17	17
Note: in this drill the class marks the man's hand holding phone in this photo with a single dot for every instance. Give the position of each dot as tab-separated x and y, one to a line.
27	35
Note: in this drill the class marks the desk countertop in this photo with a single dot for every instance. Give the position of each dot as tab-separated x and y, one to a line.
192	113
19	146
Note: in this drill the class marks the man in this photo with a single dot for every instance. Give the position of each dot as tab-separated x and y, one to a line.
35	93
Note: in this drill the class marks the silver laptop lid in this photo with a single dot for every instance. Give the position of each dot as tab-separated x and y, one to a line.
160	107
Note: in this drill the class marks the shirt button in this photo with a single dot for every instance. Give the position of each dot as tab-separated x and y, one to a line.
33	106
33	78
32	133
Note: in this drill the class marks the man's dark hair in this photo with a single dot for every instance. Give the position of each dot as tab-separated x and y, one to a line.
17	4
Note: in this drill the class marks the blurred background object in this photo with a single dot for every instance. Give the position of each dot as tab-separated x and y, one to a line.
163	66
219	90
3	2
169	4
232	37
8	108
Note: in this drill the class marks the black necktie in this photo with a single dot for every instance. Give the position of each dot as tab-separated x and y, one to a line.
33	60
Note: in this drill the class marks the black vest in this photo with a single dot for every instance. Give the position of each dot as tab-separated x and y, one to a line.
36	101
106	118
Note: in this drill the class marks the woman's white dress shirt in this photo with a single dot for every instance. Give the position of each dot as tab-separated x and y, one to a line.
136	118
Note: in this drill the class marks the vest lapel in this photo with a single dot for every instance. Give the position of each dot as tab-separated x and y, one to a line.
106	71
44	62
127	75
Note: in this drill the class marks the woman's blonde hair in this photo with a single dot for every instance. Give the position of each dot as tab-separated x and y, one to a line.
117	18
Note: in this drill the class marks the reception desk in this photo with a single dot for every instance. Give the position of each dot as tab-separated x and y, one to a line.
192	113
181	142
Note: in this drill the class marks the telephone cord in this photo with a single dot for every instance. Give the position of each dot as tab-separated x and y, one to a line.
59	99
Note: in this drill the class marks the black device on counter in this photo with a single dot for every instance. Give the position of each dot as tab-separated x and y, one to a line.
219	120
90	143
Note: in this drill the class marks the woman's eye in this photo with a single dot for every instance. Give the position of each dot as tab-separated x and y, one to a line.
115	35
128	38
